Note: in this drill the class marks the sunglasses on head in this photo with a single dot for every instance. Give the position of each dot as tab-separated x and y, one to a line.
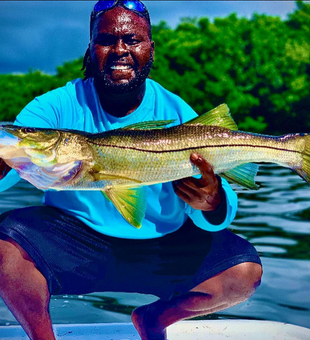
132	5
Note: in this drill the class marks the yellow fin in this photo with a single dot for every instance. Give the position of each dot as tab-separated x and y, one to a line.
157	124
219	116
105	196
130	202
243	175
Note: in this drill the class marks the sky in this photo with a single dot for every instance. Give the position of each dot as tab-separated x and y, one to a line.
41	35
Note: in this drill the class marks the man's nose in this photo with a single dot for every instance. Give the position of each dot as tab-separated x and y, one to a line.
120	47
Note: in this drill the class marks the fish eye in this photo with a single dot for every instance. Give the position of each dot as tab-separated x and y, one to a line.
28	130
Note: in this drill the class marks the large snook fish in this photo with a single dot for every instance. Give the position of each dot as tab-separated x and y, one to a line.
122	162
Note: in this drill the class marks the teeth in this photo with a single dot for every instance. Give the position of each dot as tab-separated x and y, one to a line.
120	67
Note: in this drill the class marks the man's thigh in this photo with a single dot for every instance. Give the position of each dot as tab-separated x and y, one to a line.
71	256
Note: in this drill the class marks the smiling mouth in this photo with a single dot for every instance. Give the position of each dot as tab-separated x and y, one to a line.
121	67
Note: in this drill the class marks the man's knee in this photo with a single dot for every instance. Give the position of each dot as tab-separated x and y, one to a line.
242	280
249	272
237	283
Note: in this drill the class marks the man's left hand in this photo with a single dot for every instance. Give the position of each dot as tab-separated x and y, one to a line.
201	194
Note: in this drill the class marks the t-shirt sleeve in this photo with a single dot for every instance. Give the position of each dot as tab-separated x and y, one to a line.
9	180
41	112
199	219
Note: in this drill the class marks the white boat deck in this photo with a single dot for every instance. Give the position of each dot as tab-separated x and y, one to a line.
193	330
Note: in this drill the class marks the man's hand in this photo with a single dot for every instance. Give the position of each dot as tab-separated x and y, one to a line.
4	169
201	194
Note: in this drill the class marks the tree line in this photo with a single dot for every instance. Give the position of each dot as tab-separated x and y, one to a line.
259	66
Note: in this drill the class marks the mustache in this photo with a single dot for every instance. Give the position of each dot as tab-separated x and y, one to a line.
135	66
113	61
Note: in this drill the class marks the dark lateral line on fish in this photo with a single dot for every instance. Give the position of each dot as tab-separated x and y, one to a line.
192	148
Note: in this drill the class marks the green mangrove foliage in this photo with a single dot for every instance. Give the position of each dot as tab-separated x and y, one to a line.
260	67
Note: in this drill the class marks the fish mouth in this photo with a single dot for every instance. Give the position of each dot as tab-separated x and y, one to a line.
7	136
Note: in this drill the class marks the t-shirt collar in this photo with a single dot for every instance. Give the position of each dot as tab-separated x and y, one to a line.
144	110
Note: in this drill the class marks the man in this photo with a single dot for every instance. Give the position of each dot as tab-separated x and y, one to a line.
78	243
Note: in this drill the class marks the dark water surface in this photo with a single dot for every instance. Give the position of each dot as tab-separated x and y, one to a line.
275	219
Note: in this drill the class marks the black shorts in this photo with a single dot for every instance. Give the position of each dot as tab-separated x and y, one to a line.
76	259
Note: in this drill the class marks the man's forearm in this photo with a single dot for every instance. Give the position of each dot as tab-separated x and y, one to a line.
217	216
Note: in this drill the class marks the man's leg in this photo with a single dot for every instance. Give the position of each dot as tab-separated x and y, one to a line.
222	291
24	289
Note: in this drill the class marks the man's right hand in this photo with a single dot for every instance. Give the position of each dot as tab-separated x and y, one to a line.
4	168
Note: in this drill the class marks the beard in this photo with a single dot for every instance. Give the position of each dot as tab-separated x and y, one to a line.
109	86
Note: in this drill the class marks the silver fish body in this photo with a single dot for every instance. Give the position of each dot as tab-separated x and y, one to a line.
156	156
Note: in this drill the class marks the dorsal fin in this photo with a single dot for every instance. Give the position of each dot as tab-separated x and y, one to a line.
219	116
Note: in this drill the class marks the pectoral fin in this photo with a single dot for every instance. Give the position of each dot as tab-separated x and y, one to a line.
99	176
243	175
130	202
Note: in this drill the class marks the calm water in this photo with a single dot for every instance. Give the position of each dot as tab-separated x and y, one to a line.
275	219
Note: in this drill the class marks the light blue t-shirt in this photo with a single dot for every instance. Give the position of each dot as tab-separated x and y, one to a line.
77	106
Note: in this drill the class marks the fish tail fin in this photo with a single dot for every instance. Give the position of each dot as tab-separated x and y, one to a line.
304	170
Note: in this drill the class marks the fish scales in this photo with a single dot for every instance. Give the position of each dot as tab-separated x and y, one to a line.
163	155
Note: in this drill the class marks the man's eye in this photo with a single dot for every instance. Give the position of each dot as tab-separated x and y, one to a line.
105	41
131	41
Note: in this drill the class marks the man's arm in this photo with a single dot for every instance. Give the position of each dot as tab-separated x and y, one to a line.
208	195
